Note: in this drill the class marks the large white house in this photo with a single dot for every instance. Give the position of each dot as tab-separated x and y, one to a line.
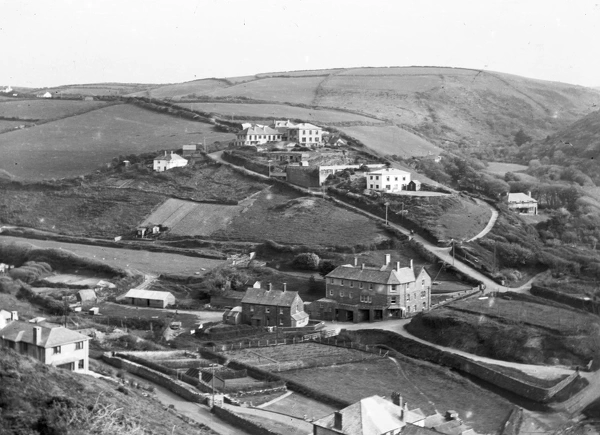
388	180
305	134
522	203
52	345
255	134
169	161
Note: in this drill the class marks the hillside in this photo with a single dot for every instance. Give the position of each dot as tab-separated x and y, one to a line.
443	105
38	399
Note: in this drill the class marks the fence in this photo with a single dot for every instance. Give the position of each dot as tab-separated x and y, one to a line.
317	336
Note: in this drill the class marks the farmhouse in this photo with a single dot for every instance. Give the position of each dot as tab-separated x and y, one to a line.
149	298
254	134
388	180
522	203
52	345
305	134
358	294
169	161
268	307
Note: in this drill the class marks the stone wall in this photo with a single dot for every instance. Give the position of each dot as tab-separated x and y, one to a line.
304	176
242	423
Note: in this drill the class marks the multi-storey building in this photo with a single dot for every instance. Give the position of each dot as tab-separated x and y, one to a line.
268	307
305	134
258	135
388	180
360	293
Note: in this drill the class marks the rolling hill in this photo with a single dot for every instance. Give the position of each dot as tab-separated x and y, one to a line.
442	105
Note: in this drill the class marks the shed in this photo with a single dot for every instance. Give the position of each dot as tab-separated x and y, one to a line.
233	316
414	185
86	297
149	298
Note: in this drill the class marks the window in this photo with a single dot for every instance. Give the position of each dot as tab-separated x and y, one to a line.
281	311
267	310
423	294
377	177
393	300
415	308
330	280
360	285
366	299
423	283
403	178
342	282
351	283
371	186
251	308
370	177
394	288
280	322
79	345
330	292
24	347
424	305
395	178
408	296
408	309
341	293
350	295
56	350
370	286
387	178
81	364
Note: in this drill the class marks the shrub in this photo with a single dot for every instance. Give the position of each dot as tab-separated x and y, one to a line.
307	261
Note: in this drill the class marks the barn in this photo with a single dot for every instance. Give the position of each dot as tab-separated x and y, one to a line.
149	298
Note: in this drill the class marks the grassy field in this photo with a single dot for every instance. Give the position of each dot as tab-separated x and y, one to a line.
44	109
109	309
191	89
297	90
81	144
299	406
102	88
288	218
146	262
392	140
500	168
422	385
278	111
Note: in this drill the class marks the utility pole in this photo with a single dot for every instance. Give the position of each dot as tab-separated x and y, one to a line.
453	252
386	212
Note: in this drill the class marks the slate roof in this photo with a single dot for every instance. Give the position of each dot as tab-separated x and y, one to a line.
18	331
147	294
262	296
371	416
389	171
259	129
304	126
87	295
374	275
170	157
300	315
520	197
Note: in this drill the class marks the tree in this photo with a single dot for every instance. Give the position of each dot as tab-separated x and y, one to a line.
521	137
307	261
325	267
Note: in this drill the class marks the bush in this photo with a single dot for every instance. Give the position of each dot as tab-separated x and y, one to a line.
307	261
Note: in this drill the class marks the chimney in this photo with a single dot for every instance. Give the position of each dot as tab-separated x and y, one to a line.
529	193
362	266
397	266
284	286
270	287
397	399
411	263
355	261
37	335
165	154
388	258
337	420
14	315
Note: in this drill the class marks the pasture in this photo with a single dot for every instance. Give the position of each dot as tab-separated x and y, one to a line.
300	90
102	88
186	218
286	217
43	109
501	168
191	89
81	144
421	384
143	261
298	406
390	139
277	111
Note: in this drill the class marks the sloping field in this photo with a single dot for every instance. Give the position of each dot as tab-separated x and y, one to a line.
310	72
299	90
406	71
10	125
191	89
43	109
278	111
80	144
501	168
102	88
390	139
287	218
186	218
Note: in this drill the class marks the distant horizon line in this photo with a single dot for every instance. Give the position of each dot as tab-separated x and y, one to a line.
257	75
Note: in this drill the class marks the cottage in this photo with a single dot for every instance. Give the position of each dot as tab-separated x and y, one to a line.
414	185
87	298
388	180
52	345
255	134
149	298
45	95
268	307
522	203
4	268
168	161
358	294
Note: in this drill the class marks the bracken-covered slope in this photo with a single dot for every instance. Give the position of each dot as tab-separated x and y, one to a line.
440	104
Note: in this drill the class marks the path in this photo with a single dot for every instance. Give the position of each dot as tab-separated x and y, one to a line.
489	225
297	426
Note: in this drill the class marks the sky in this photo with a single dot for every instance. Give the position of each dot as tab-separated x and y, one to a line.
49	43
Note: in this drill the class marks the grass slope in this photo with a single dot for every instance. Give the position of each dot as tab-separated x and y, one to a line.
38	399
44	109
80	144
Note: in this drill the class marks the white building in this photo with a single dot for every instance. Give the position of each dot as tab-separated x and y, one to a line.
388	180
522	203
254	134
169	161
52	345
305	134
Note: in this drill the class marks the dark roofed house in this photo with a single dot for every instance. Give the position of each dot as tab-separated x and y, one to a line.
86	297
268	307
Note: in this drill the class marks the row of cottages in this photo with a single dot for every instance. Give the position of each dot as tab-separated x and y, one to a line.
366	294
51	344
377	416
268	307
522	203
168	161
257	134
391	180
149	298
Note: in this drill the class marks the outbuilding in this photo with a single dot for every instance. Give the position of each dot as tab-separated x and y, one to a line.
149	298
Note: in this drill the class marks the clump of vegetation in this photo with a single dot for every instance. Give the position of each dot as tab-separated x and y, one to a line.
306	261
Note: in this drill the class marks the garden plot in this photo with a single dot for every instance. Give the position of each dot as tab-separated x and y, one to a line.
186	218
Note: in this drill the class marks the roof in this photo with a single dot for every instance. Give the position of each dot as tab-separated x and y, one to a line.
388	171
148	294
18	331
260	129
262	296
170	157
87	295
300	315
373	274
371	416
304	126
520	197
